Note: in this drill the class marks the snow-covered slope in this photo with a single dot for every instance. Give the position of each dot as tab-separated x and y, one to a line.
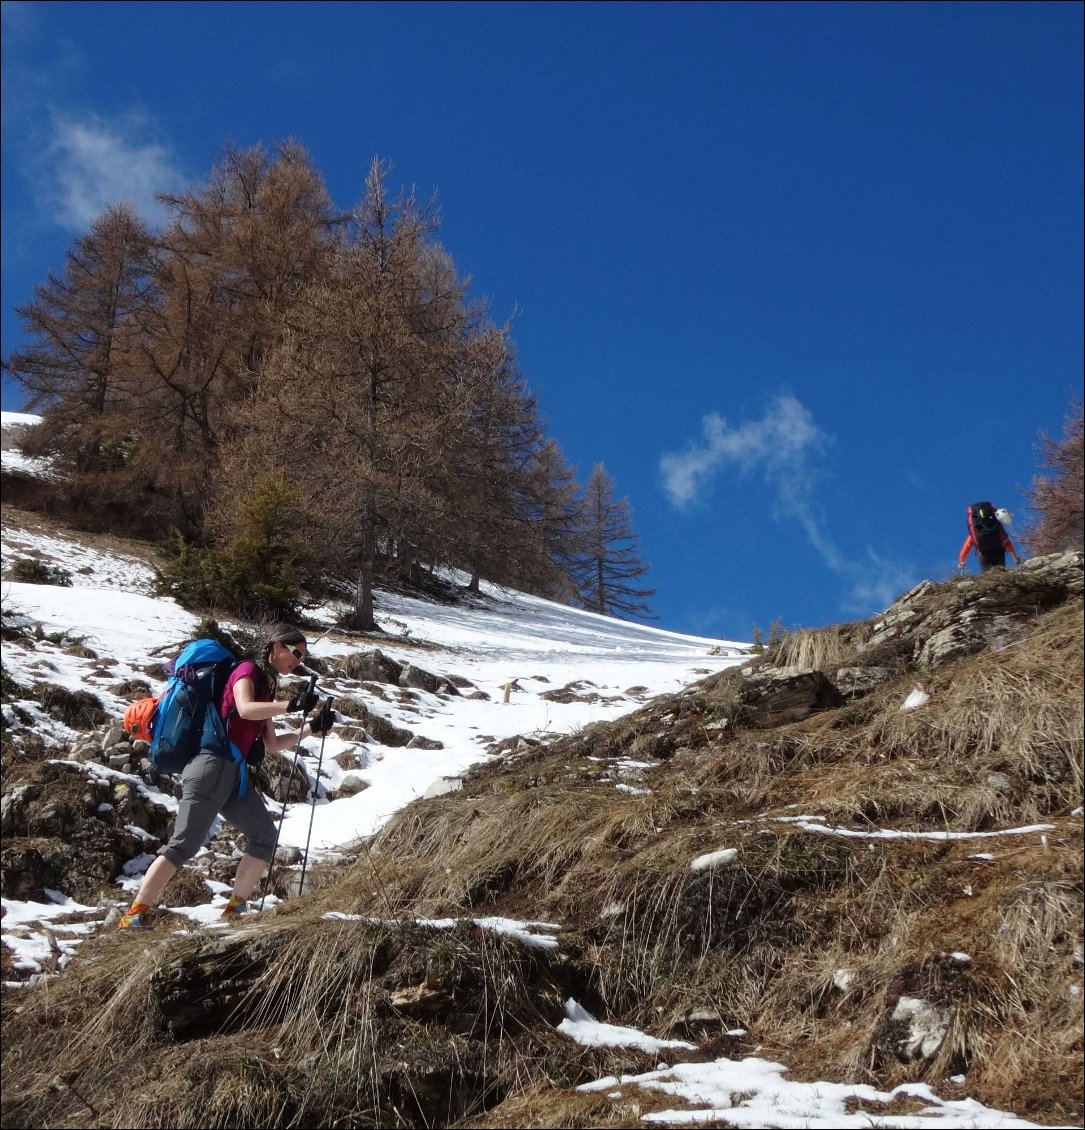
503	644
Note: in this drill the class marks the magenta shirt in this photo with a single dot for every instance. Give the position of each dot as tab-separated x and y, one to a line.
241	731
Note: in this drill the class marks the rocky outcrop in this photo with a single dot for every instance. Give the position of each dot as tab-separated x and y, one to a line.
370	666
807	676
930	626
943	623
787	694
70	830
375	667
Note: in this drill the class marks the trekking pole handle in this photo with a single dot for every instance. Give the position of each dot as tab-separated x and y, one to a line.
309	690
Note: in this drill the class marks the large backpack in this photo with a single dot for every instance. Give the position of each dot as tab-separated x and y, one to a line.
985	528
188	716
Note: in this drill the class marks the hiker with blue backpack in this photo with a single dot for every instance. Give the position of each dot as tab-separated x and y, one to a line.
987	536
212	725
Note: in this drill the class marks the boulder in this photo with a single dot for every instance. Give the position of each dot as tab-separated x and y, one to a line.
419	679
352	784
442	786
919	1029
972	633
776	695
370	666
419	742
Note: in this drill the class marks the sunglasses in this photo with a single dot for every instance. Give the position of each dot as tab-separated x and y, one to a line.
297	653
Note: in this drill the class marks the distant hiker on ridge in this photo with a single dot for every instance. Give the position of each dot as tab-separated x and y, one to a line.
987	536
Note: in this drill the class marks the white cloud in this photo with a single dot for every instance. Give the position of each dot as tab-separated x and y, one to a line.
780	445
783	447
94	164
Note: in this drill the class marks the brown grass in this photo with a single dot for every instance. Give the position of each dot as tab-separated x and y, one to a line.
804	939
824	649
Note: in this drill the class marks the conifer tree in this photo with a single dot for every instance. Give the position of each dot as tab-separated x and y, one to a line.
262	230
555	519
492	479
262	339
609	563
354	386
230	266
76	371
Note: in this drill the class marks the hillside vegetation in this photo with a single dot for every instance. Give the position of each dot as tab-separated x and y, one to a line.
167	367
860	854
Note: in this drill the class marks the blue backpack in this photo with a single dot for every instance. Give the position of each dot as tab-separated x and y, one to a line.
188	717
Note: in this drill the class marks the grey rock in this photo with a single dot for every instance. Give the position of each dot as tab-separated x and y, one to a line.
114	735
9	811
352	784
419	742
972	633
787	694
370	666
416	677
855	682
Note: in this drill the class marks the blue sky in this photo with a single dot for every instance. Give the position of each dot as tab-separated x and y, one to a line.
807	277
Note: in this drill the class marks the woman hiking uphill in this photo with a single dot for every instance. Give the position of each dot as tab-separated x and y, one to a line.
211	782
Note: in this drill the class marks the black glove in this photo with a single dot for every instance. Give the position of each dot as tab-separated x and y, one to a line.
256	754
303	701
321	723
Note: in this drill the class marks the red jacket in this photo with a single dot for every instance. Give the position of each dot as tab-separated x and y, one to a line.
970	544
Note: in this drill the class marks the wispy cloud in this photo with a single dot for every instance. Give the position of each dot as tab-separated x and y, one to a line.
783	447
875	582
67	159
92	164
780	444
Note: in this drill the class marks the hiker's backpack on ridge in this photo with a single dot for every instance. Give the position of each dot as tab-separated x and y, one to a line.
985	528
187	718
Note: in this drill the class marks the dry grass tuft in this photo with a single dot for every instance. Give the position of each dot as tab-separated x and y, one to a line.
823	649
79	709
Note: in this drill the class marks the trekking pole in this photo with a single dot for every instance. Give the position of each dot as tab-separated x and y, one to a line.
282	815
312	810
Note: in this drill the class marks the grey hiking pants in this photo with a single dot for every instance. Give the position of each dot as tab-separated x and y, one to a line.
209	787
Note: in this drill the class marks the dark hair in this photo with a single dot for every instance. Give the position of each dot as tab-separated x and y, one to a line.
278	633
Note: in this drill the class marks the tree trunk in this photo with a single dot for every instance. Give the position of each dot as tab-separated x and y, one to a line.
361	617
